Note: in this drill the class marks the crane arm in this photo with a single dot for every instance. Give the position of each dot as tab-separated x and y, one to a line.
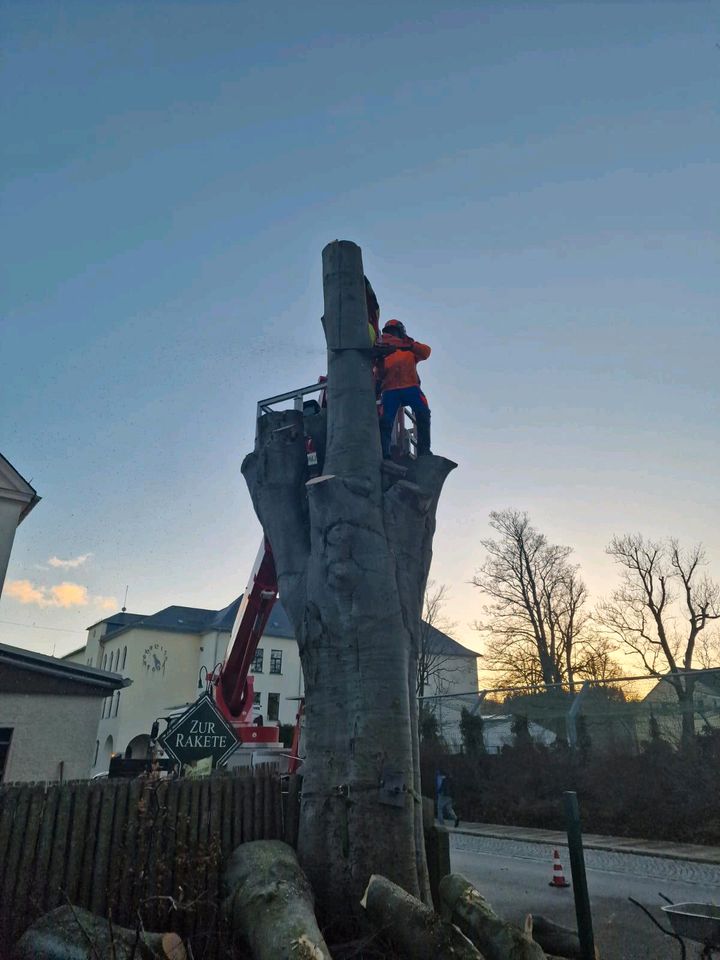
253	613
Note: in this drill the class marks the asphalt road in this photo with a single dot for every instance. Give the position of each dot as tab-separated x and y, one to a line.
514	877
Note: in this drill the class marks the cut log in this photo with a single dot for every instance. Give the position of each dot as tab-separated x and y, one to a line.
495	938
414	928
269	903
556	939
70	933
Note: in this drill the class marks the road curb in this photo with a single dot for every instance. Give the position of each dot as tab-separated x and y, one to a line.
709	857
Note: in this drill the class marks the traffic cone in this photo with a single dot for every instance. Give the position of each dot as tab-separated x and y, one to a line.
558	877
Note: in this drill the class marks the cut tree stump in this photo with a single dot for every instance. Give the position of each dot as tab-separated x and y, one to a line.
269	903
495	938
352	550
70	933
413	927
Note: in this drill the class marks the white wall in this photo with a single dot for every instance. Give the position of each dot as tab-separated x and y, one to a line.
48	729
163	667
9	515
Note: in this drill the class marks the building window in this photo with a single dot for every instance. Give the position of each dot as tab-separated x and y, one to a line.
104	661
273	706
276	661
257	664
124	658
5	738
257	699
117	702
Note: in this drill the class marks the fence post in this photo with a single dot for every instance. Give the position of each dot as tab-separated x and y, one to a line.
577	866
571	718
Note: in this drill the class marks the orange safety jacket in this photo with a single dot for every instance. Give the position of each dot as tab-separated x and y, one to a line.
400	367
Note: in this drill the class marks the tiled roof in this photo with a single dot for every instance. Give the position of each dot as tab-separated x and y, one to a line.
198	620
77	673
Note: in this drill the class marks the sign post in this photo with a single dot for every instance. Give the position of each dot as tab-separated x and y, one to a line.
199	733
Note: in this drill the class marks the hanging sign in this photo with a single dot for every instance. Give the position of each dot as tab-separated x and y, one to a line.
200	732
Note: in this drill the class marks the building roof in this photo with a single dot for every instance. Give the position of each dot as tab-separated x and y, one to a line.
118	620
40	663
14	486
707	677
440	643
176	619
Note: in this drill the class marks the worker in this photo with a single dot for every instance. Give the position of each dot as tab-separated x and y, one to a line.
444	800
400	385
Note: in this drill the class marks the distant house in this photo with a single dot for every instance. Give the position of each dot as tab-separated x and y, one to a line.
17	499
49	713
169	654
662	704
452	683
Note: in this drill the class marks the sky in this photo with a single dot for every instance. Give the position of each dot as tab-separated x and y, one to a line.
535	190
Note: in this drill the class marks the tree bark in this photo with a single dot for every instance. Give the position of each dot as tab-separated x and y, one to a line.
412	926
495	938
71	932
269	903
555	939
352	549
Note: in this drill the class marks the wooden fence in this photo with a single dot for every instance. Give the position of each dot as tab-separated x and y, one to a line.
142	848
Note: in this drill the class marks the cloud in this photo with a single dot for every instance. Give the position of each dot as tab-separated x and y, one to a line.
69	595
25	592
106	603
69	564
65	594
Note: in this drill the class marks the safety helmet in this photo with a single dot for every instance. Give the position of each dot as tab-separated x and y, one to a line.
395	328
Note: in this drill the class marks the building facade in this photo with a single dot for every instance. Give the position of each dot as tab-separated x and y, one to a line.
17	498
168	656
49	715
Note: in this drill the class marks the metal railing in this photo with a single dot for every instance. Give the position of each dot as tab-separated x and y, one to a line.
404	434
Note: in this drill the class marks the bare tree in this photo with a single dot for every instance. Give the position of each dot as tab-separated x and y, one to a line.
536	614
352	551
663	604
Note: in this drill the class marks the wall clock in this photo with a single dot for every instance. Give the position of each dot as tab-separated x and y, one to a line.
154	658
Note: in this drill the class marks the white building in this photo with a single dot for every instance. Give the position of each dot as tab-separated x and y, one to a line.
17	498
49	713
167	655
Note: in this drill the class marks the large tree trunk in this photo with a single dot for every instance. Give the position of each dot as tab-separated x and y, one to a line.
269	903
414	928
496	939
352	549
71	932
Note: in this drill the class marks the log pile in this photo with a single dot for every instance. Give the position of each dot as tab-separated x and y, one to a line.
269	906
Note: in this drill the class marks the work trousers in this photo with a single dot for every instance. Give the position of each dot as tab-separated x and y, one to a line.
414	398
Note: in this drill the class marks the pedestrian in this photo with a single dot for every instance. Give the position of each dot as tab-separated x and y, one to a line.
444	799
400	385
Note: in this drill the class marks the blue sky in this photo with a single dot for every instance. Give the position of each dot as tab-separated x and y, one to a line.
535	189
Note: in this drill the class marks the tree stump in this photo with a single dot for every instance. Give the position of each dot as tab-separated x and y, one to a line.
352	550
